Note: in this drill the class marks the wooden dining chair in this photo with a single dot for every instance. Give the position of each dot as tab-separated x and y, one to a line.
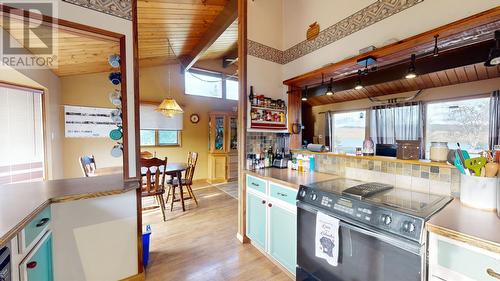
186	181
153	180
87	163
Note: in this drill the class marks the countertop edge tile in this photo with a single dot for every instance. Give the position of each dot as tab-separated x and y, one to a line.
472	226
50	192
290	178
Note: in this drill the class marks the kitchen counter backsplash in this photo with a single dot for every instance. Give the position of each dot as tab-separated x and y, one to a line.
423	178
260	141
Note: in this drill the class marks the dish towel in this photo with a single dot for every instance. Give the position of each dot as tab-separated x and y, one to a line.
327	238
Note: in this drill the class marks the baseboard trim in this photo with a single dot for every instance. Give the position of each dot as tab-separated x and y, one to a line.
242	238
137	277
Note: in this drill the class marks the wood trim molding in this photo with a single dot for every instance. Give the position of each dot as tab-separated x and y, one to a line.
21	87
473	241
242	117
138	277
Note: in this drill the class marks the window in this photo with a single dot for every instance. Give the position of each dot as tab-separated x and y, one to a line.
462	121
203	83
168	137
21	140
232	87
160	138
148	137
348	130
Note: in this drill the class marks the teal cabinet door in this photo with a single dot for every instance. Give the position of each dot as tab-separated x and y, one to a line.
256	219
283	237
39	265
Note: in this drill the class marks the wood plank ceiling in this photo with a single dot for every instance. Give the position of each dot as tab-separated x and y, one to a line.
224	44
77	53
182	23
465	74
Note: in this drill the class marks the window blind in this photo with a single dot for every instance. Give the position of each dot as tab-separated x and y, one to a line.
21	137
152	120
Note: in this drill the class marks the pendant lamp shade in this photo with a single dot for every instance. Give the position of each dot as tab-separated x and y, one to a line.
169	107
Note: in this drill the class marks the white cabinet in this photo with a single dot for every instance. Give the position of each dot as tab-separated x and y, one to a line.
452	260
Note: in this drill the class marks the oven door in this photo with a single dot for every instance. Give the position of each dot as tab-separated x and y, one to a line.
364	255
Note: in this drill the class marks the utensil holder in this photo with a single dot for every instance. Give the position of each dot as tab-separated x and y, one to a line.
479	192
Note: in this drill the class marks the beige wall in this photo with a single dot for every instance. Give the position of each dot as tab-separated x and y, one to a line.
483	87
90	90
154	86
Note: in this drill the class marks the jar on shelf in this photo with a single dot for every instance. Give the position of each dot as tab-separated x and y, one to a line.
439	151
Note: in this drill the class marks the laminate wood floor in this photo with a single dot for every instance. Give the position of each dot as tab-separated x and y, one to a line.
201	244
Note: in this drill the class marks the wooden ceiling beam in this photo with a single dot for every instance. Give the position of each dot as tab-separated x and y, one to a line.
226	17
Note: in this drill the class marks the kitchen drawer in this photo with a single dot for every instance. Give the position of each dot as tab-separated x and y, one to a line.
34	229
282	193
470	263
256	184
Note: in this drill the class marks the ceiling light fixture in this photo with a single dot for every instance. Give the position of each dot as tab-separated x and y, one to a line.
494	56
169	107
411	69
329	92
436	48
358	85
304	95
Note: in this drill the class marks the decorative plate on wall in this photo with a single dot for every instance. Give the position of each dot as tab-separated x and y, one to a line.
195	118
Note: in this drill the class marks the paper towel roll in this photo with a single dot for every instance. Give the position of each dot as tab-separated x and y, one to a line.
316	147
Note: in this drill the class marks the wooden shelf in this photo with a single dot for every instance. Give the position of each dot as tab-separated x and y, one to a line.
268	108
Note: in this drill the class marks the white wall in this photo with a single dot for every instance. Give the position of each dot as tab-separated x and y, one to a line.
95	239
429	14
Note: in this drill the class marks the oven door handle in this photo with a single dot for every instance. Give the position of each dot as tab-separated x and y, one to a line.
401	243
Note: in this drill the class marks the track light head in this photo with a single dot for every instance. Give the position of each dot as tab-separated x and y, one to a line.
329	92
494	55
411	69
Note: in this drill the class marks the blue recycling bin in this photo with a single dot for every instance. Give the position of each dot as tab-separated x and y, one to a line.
146	238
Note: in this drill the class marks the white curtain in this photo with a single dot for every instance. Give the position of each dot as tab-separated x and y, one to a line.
329	129
404	121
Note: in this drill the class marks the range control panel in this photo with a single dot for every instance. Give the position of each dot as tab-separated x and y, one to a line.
383	218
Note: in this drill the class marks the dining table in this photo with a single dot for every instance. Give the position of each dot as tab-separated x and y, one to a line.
173	169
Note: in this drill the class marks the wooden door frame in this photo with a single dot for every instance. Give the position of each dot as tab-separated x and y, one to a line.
242	118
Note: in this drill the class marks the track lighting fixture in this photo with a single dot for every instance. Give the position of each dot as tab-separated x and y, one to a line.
304	95
329	92
494	56
411	69
358	85
436	48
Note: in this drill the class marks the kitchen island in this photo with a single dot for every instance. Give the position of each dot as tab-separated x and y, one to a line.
86	228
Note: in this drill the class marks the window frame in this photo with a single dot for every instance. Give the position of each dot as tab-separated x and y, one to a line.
224	77
157	139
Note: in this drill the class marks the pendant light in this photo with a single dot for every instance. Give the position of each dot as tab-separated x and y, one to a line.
358	86
411	69
304	95
494	56
169	107
329	92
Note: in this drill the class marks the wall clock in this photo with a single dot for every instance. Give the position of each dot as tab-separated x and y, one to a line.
195	118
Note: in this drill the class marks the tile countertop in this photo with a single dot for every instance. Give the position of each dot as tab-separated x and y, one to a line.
475	227
20	203
291	178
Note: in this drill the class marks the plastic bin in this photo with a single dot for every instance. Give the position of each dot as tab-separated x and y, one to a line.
146	238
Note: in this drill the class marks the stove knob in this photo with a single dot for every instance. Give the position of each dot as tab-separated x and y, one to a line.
302	193
408	226
314	196
386	219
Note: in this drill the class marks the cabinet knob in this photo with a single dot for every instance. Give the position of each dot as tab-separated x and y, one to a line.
31	264
42	222
270	205
263	201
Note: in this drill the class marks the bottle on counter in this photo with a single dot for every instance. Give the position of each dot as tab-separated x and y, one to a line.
251	96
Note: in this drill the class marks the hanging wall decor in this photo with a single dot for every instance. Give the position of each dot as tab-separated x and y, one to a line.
312	31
